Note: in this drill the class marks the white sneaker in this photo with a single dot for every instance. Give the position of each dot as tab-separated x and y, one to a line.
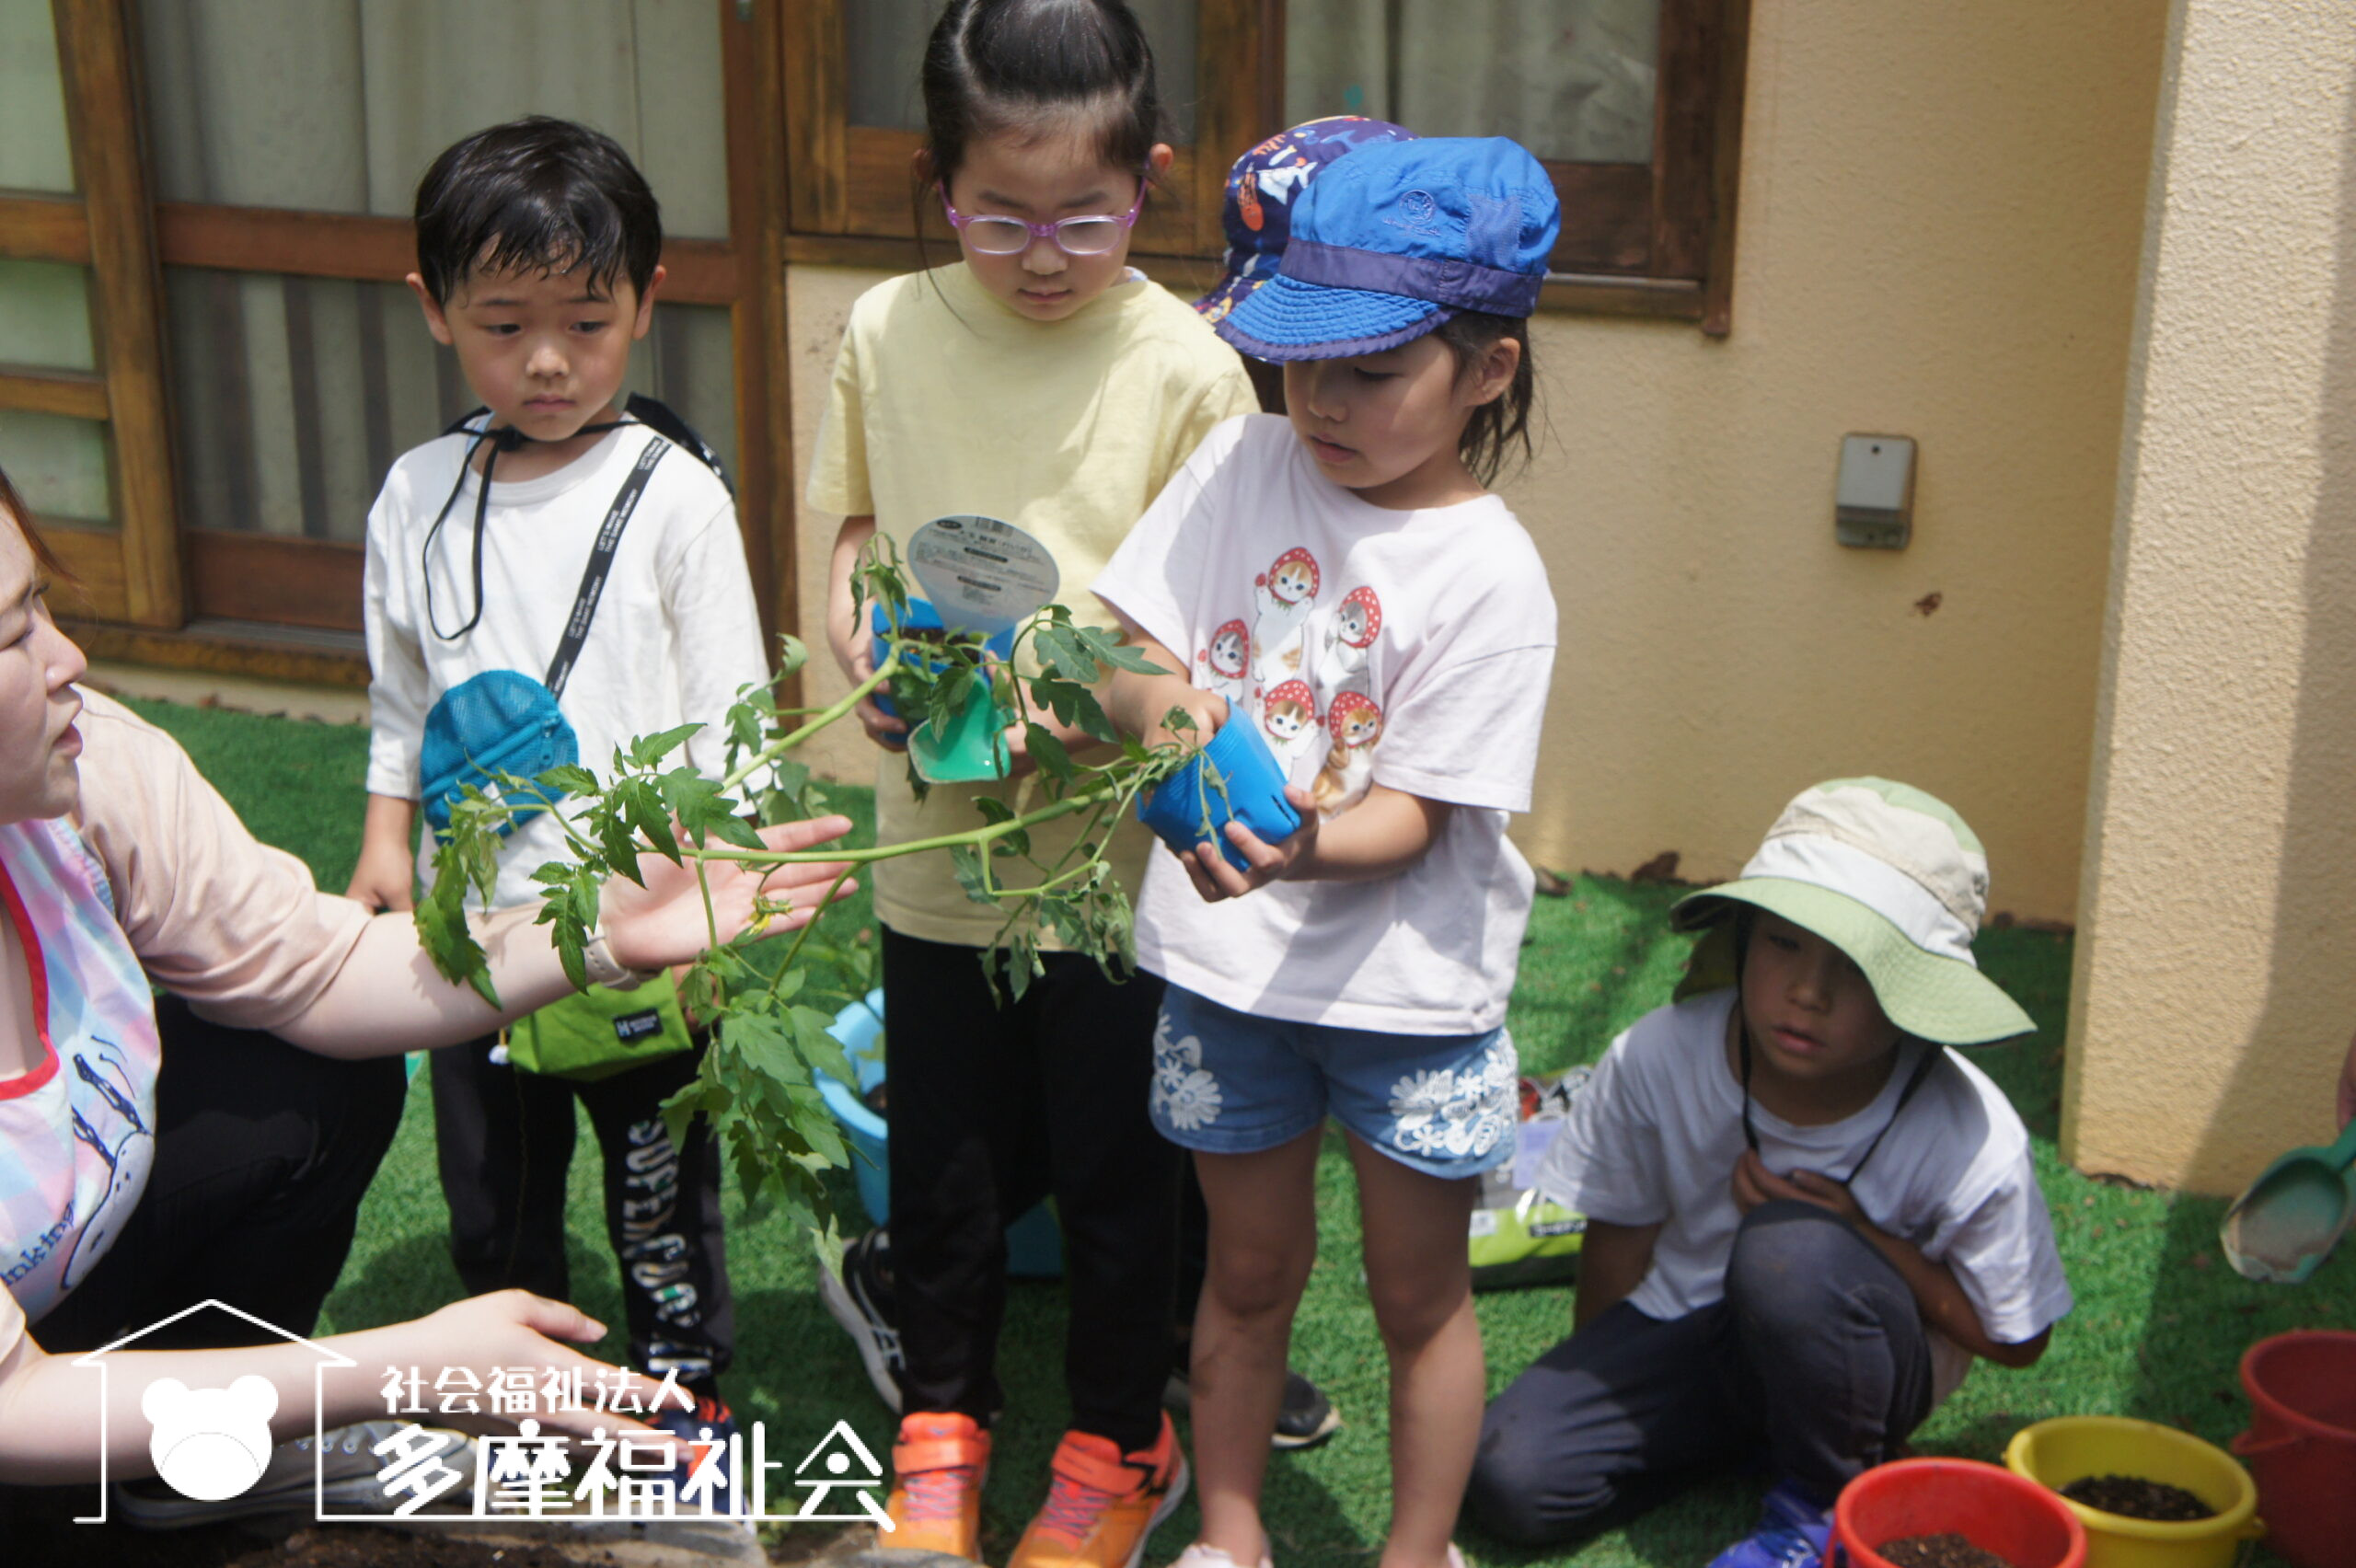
1203	1554
860	1300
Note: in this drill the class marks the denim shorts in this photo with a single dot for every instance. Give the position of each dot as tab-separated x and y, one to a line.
1226	1082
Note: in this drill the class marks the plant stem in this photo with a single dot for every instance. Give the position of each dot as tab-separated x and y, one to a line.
825	716
976	836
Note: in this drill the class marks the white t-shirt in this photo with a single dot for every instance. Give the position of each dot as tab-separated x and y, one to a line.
676	635
1372	646
1654	1136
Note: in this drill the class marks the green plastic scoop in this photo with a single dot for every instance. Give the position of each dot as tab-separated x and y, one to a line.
2286	1225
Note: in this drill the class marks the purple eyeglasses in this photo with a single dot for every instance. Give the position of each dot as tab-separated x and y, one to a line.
991	234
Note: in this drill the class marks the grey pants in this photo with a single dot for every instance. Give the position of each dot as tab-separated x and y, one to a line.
1815	1363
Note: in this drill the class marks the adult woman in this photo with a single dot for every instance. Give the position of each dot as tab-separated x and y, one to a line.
118	866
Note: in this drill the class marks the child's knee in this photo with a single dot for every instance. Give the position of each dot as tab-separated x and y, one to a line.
1252	1281
1410	1307
1528	1494
1788	1256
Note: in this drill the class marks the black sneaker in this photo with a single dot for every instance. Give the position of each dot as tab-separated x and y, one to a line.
860	1300
1305	1419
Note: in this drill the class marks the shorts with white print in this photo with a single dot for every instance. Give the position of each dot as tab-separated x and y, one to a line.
1228	1082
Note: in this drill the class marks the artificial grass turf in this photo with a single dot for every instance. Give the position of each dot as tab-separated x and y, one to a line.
2159	1325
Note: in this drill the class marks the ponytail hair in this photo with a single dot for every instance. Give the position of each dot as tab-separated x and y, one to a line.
1036	68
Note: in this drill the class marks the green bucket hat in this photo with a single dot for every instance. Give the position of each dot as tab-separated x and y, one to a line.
1891	877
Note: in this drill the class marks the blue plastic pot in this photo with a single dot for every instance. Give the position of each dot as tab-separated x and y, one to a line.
1235	777
1035	1245
921	618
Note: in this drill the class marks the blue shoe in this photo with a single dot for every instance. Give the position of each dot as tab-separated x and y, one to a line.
1794	1531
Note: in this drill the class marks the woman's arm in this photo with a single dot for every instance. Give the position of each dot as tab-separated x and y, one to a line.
1937	1294
388	997
1613	1260
50	1413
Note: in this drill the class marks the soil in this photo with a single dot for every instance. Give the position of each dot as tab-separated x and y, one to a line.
2137	1498
235	1546
1948	1550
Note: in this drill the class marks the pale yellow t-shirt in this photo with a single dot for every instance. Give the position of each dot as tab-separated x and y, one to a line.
944	401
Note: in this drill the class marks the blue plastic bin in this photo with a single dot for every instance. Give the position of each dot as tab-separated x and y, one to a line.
1035	1244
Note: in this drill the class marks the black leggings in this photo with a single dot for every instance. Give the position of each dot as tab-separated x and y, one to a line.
263	1152
505	1144
993	1108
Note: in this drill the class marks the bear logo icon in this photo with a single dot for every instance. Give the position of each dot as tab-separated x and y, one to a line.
210	1443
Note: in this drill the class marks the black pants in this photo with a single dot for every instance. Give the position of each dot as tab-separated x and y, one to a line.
505	1144
1815	1361
263	1152
993	1108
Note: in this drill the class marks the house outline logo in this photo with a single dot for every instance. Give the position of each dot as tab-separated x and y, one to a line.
834	1457
214	1464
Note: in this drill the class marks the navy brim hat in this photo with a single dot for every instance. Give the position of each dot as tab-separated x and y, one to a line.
1262	187
1285	318
1392	240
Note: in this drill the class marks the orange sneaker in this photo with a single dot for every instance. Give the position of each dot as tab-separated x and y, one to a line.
938	1469
1103	1506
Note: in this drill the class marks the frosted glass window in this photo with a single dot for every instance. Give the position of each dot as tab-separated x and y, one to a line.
364	93
35	153
59	465
45	316
1572	80
294	395
884	45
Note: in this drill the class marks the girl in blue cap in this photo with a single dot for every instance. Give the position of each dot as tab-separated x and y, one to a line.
1359	968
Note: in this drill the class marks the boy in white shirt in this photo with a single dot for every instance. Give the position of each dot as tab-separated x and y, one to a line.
1768	1273
559	530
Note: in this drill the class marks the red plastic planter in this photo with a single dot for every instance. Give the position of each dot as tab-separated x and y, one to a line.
2300	1445
1994	1509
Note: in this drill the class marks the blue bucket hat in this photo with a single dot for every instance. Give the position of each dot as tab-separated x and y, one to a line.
1262	189
1396	238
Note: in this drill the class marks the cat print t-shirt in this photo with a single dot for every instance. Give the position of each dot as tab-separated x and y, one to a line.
1369	646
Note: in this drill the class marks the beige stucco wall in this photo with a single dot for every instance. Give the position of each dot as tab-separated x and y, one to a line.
2216	971
1941	212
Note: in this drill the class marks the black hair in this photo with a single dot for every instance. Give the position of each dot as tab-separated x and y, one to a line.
535	194
1501	424
1034	67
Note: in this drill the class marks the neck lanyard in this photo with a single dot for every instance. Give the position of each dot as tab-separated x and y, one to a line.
1914	1081
506	438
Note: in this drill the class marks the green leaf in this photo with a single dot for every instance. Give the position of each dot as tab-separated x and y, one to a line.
965	864
648	750
569	778
641	800
1048	753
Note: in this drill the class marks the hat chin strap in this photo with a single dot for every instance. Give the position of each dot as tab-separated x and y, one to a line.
503	438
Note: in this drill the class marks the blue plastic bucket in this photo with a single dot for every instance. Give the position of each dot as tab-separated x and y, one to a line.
1034	1246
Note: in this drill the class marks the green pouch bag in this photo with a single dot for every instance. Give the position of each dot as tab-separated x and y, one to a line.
602	1031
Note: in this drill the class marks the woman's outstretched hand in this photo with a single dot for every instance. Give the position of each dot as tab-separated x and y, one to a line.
663	923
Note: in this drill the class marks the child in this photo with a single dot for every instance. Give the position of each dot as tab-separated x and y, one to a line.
536	246
1805	1215
1039	380
1371	983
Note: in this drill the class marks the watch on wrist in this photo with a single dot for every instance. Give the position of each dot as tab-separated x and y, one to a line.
597	960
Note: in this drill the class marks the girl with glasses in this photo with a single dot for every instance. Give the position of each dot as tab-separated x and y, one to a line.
1039	379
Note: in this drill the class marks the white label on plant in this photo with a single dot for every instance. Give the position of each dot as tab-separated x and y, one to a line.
982	574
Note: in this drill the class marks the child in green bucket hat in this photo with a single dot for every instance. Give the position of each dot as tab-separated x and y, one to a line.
1807	1215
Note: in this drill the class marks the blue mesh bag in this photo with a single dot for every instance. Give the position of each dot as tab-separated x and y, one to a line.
499	721
503	721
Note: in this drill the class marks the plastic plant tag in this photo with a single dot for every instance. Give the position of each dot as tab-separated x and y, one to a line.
981	574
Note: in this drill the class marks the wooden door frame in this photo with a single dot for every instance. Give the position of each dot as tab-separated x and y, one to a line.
163	592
